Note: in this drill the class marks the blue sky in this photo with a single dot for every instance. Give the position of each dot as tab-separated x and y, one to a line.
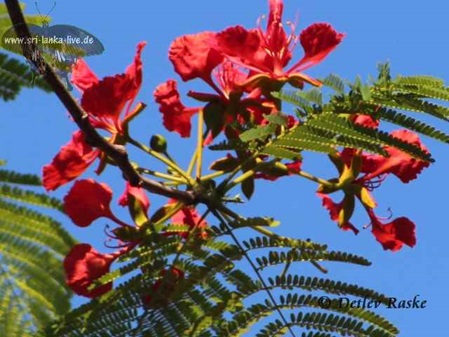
411	35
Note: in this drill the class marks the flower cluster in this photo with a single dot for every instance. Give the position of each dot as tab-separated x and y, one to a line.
109	106
242	66
104	101
360	173
88	201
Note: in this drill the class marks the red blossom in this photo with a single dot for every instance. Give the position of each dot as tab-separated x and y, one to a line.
228	77
334	212
188	215
83	265
318	40
136	192
87	201
82	76
267	53
393	235
195	56
366	121
176	116
399	163
105	100
71	161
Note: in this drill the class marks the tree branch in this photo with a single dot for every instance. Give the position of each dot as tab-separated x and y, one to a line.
117	153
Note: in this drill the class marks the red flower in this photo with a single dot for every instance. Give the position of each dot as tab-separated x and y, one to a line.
267	53
401	231
335	211
399	163
71	161
188	215
87	201
393	235
366	121
136	192
83	265
194	56
82	76
104	100
176	116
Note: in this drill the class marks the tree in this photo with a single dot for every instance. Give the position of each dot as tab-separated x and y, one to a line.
179	272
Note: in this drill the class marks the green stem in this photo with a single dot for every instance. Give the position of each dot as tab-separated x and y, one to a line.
192	163
224	184
163	159
199	146
171	212
213	175
315	179
270	234
256	270
260	229
160	175
240	179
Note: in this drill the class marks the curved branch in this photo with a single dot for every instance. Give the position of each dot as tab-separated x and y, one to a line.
117	153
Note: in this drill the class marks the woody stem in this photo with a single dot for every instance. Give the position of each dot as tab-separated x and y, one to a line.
117	153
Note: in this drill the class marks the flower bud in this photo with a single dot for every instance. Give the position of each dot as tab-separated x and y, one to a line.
158	143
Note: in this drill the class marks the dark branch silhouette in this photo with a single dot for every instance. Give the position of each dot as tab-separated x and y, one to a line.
117	153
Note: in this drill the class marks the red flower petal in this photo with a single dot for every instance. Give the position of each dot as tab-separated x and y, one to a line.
318	40
243	47
83	265
87	201
229	77
334	211
194	56
134	72
189	216
401	164
82	76
176	116
276	9
275	37
366	121
71	161
108	97
136	192
392	236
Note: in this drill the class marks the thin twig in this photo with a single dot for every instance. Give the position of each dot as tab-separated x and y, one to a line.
256	270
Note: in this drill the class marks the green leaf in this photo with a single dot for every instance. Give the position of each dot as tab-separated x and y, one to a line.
33	290
256	221
260	132
248	188
334	82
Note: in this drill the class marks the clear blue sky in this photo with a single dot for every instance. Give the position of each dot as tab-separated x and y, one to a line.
411	35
